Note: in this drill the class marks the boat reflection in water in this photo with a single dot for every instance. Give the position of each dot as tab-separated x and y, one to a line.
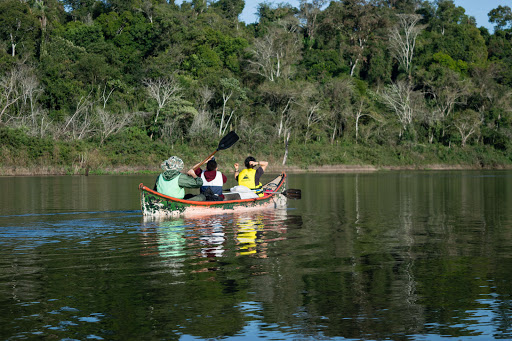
213	237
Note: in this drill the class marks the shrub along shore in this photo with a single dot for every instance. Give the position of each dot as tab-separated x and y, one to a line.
24	155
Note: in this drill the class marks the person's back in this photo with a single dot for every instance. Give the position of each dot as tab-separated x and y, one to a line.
250	176
212	178
168	184
172	182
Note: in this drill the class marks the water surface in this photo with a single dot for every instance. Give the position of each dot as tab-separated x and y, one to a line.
372	256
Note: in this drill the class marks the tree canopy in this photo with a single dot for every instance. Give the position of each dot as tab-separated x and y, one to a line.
367	72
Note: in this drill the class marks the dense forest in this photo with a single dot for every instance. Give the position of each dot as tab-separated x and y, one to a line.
125	83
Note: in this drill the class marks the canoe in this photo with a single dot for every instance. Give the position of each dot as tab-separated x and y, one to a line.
160	205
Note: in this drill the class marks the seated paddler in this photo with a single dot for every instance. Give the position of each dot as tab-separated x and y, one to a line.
250	176
213	180
172	182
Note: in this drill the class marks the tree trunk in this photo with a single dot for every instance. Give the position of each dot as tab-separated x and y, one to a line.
333	133
286	149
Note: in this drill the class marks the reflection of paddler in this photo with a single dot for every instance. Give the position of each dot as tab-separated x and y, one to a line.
213	239
171	238
247	235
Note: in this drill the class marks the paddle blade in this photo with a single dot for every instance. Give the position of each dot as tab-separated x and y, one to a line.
293	193
228	140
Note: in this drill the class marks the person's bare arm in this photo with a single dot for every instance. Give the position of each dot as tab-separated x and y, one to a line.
236	170
191	172
262	164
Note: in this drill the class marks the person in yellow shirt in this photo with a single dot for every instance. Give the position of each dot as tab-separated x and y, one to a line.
250	176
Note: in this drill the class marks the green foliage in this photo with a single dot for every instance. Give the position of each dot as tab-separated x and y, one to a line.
501	16
19	29
213	52
19	144
81	34
91	57
129	147
323	63
231	8
445	60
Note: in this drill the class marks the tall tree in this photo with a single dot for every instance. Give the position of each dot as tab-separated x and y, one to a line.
402	39
501	17
85	10
273	56
404	101
233	95
280	100
163	91
230	8
338	92
467	123
356	21
309	13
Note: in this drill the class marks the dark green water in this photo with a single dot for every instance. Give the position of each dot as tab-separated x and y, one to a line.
392	255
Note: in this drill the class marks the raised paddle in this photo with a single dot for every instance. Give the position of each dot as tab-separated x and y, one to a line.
226	142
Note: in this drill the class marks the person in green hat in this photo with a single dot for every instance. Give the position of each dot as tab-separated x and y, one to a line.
172	182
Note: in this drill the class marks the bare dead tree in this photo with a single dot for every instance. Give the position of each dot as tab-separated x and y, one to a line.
286	142
110	124
310	105
284	117
105	94
163	91
274	54
79	125
147	8
233	93
206	95
19	93
267	59
402	39
467	123
37	124
202	124
359	113
338	92
9	90
314	115
227	93
445	96
401	98
30	90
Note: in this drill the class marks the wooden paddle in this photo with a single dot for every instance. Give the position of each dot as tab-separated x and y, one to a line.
226	142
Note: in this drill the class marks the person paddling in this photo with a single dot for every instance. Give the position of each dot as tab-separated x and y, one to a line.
213	179
250	176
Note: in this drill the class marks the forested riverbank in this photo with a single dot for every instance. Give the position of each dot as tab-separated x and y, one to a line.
118	86
25	155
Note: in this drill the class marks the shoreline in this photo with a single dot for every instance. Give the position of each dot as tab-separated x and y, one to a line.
125	170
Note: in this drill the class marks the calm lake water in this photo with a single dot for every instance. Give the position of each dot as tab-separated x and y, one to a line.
372	256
